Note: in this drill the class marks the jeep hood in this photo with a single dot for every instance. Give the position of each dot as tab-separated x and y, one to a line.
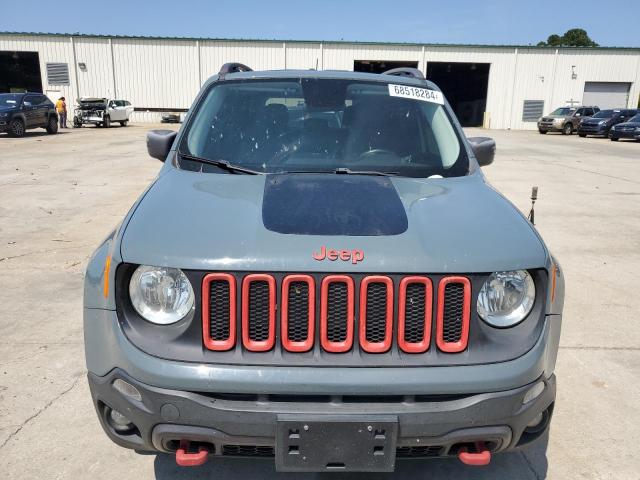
229	222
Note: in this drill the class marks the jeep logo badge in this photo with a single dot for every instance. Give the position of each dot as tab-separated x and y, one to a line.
354	256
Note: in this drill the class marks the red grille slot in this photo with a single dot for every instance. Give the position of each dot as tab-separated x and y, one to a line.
454	308
298	314
258	312
376	314
219	311
414	314
336	313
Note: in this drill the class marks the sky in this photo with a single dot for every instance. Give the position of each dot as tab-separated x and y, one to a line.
485	22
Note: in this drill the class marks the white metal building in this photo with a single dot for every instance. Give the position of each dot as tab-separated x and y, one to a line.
496	86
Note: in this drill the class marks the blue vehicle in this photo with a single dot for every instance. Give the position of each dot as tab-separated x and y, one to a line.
603	121
20	112
321	275
629	129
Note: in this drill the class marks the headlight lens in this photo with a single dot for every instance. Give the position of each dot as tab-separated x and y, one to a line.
161	295
506	298
602	122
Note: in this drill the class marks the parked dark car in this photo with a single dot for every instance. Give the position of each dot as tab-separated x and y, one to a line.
565	119
20	112
628	129
600	124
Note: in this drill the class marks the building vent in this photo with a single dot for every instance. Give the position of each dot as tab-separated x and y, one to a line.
532	110
58	73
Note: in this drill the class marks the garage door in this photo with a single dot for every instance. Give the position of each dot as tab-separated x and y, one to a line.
606	94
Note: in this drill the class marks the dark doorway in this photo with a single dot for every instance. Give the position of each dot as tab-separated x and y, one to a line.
20	72
465	86
379	66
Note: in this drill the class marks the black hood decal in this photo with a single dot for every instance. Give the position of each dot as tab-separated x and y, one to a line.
332	204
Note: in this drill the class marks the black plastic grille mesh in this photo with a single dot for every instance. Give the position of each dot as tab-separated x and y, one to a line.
219	317
298	312
259	310
414	313
453	312
248	450
337	311
376	320
418	452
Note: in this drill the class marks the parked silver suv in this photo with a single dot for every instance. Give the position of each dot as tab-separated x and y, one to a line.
565	119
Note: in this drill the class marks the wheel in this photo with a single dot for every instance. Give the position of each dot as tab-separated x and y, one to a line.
52	125
567	129
77	124
107	122
582	135
124	123
542	132
16	128
614	139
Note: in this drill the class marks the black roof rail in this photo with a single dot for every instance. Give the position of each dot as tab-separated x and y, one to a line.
233	68
405	72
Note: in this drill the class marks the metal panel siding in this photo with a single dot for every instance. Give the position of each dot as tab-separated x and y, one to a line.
156	74
163	73
97	79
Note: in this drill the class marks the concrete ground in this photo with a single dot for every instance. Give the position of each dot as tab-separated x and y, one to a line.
60	195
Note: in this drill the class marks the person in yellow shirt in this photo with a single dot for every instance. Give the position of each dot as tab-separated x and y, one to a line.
61	108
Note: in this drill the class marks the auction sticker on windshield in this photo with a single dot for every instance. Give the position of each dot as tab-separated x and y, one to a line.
416	93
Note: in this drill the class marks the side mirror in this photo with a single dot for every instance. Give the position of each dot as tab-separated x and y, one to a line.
159	143
484	149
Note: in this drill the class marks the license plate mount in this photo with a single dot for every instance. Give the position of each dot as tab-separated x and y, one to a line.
360	443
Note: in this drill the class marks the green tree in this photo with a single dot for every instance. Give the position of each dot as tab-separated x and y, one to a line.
576	37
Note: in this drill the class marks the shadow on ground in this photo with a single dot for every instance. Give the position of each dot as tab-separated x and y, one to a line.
530	463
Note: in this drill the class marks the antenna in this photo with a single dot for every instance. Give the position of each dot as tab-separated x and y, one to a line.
534	197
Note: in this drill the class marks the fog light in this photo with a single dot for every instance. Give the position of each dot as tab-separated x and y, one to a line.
533	393
127	389
118	421
536	421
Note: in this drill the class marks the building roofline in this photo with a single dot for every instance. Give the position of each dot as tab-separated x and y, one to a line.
264	40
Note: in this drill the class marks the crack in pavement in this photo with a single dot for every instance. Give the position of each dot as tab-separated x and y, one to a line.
35	415
530	465
43	251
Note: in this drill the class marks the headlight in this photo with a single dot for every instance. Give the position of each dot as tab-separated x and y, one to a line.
506	298
161	295
602	122
558	121
4	115
638	130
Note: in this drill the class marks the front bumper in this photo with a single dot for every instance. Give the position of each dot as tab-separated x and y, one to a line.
237	425
550	127
624	134
592	130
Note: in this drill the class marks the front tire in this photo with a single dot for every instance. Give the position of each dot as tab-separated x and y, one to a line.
567	129
124	123
614	139
16	128
107	122
52	126
542	132
582	135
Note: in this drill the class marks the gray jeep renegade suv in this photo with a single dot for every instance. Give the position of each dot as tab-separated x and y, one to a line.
321	274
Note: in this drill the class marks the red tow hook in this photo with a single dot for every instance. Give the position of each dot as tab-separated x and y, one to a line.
186	459
480	458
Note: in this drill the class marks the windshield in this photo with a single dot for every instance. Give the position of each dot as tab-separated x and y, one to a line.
10	99
563	111
606	113
635	119
320	125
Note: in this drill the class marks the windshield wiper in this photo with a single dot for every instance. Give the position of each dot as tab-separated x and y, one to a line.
348	171
223	164
342	171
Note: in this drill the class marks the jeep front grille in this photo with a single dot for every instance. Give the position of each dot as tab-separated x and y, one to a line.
287	309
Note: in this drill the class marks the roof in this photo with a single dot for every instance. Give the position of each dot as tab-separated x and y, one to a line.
264	40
